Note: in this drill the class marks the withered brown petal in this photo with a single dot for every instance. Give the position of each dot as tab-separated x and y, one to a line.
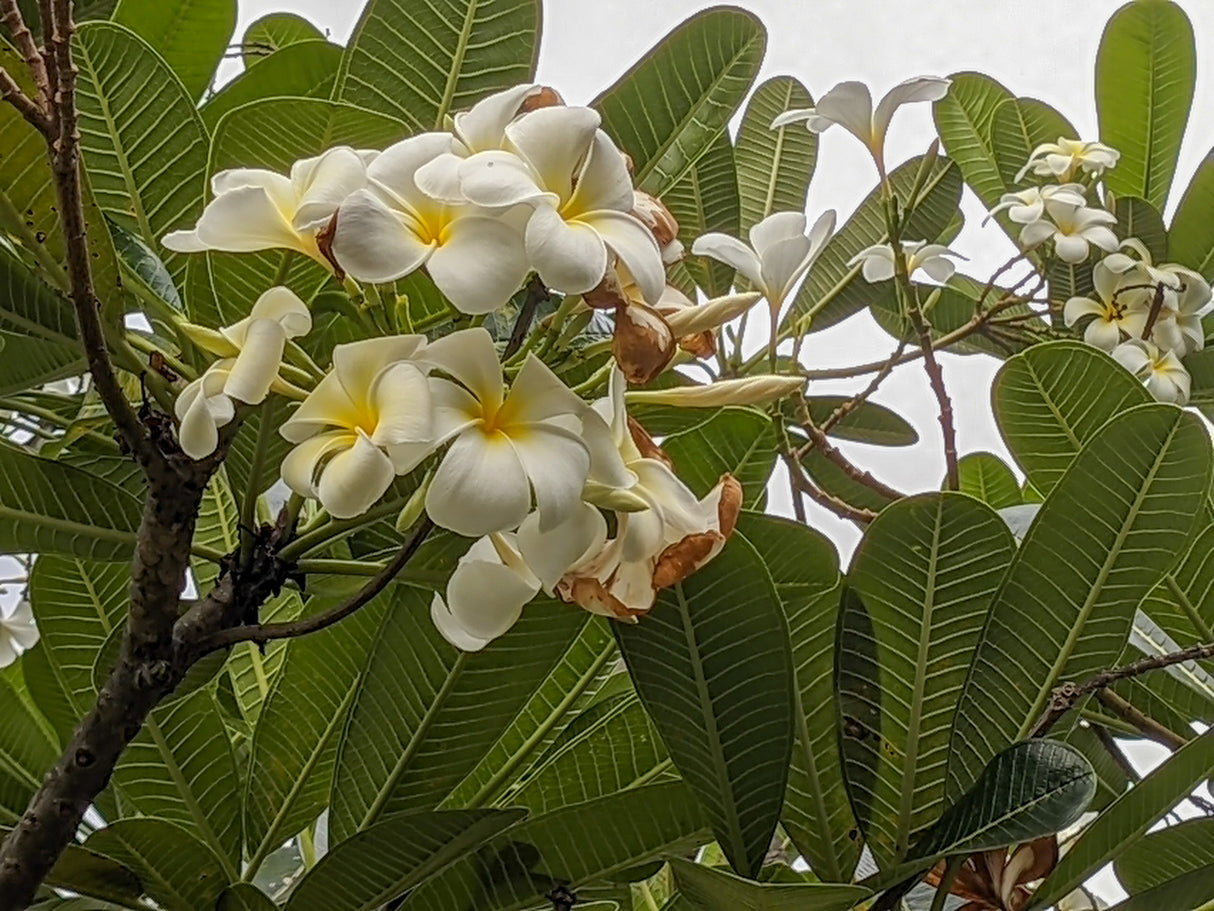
645	444
681	559
701	344
643	344
607	294
590	594
324	242
546	97
729	505
656	217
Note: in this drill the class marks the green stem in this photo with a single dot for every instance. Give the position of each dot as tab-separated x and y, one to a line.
248	506
946	884
147	346
333	529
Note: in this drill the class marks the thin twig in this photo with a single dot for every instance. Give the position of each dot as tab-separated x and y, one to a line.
935	376
839	507
860	398
817	440
26	106
264	632
1065	697
1146	725
537	293
23	38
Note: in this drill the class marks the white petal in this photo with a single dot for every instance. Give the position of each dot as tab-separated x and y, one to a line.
850	105
483	127
487	598
784	263
1102	334
795	115
245	220
480	265
498	179
480	486
777	227
1037	231
469	356
1078	307
1133	357
538	394
938	268
1101	237
636	247
277	186
401	398
301	466
183	242
358	364
450	628
570	257
283	305
550	555
439	178
557	464
921	88
604	182
554	141
732	252
375	244
1071	249
322	183
256	367
354	479
395	168
198	433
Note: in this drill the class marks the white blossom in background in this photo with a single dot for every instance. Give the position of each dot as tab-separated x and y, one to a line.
255	209
1027	206
485	594
1119	310
877	262
1185	296
850	105
1064	159
367	421
1074	229
17	631
392	228
1161	371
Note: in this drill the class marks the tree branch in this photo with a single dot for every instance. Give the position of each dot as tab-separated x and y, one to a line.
840	508
537	293
23	38
26	106
819	441
935	376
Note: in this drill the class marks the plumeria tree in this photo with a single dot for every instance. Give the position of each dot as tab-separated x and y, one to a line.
387	452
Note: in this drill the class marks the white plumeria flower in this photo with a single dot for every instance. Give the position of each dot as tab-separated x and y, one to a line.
569	172
850	105
503	446
255	209
780	251
1028	206
1118	311
1186	296
1073	229
366	422
252	353
391	228
1160	371
1061	160
17	632
877	262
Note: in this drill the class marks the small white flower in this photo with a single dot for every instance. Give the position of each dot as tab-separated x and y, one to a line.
780	251
1160	371
877	261
1061	160
1186	296
1028	206
202	407
255	209
1073	229
17	632
850	105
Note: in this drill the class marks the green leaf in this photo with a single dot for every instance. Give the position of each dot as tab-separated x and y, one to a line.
919	588
26	752
418	62
1111	778
307	69
178	872
985	477
1114	524
774	166
1018	127
867	423
541	722
722	703
1190	890
735	440
295	740
1051	399
1183	603
1128	818
394	856
405	751
180	769
272	32
1146	70
964	118
46	507
37	330
708	889
144	144
670	107
191	35
1167	854
804	568
706	199
85	872
1027	791
1138	218
143	266
576	845
833	290
836	482
1191	239
244	897
254	670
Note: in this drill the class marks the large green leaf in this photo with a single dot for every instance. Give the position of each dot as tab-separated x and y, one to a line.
707	889
1191	239
253	670
1194	889
403	751
295	741
46	507
922	581
573	846
180	769
574	680
1111	777
418	61
1146	70
178	872
271	33
244	897
1183	603
191	35
833	290
394	856
723	703
1160	856
705	199
26	752
963	119
985	477
1018	126
85	872
774	166
1051	399
1114	524
866	423
804	568
37	330
144	143
670	107
1138	218
306	69
1129	817
1027	791
735	440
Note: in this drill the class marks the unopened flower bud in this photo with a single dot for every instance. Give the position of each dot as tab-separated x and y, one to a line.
751	390
415	505
643	344
209	340
711	314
